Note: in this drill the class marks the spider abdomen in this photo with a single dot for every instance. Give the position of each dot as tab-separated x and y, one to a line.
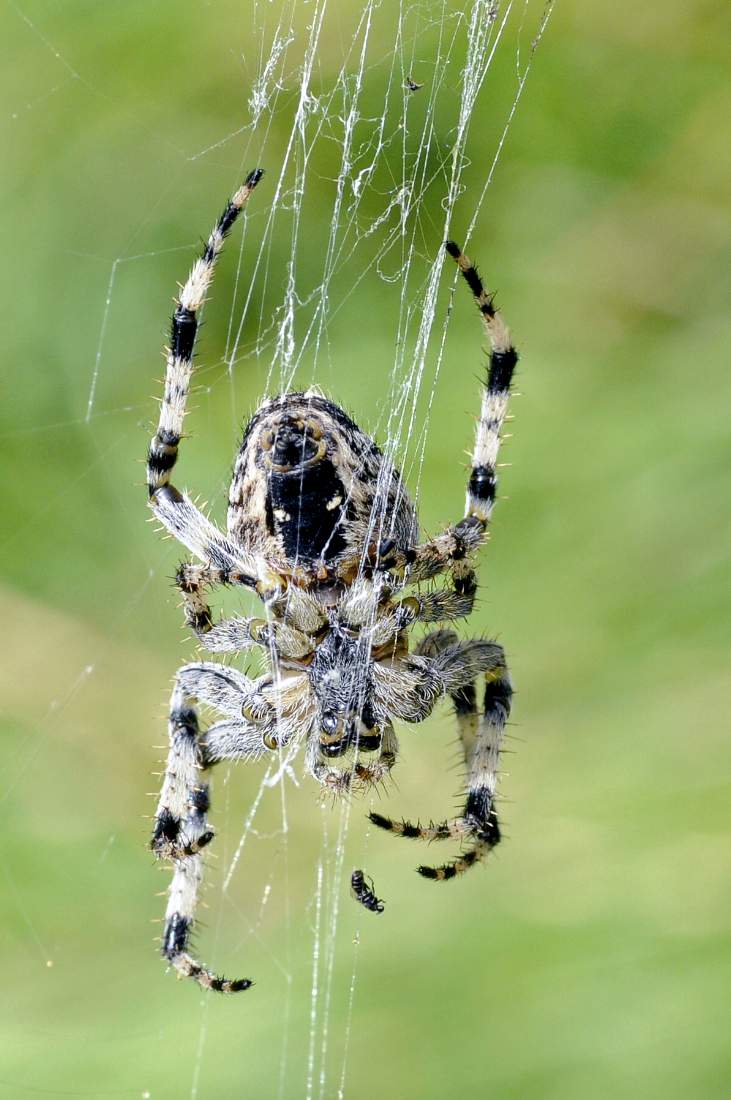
308	485
304	511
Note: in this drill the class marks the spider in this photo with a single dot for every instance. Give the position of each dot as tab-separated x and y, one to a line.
322	529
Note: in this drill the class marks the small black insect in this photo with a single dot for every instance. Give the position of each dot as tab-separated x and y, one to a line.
363	892
412	86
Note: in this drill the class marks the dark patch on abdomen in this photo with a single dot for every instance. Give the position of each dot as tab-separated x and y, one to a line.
310	532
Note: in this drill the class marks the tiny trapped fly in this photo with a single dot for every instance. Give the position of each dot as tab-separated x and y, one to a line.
364	893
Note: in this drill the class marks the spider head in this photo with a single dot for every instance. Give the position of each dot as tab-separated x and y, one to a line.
340	678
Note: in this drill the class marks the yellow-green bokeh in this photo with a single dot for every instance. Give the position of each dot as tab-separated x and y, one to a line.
591	958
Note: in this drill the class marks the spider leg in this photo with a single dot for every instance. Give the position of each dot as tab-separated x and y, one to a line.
227	563
481	736
181	827
440	606
175	510
407	687
443	605
462	539
231	740
163	452
237	633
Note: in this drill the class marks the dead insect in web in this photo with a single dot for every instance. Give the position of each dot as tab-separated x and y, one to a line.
363	892
412	86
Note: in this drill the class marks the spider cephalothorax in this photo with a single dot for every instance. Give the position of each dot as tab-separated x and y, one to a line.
321	527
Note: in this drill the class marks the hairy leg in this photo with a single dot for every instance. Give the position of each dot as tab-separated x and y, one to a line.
450	549
481	736
181	828
175	510
163	451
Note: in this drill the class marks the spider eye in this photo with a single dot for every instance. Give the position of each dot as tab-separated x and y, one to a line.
329	722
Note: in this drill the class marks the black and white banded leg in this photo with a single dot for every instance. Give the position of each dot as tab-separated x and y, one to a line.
452	549
481	736
175	510
163	452
181	827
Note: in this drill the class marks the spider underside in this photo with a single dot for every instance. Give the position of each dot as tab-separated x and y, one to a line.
321	527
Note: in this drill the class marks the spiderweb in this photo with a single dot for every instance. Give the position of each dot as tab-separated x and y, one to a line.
364	118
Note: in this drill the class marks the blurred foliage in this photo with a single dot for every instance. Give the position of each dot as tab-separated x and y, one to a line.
591	958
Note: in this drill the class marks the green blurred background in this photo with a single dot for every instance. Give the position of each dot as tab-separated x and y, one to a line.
591	957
